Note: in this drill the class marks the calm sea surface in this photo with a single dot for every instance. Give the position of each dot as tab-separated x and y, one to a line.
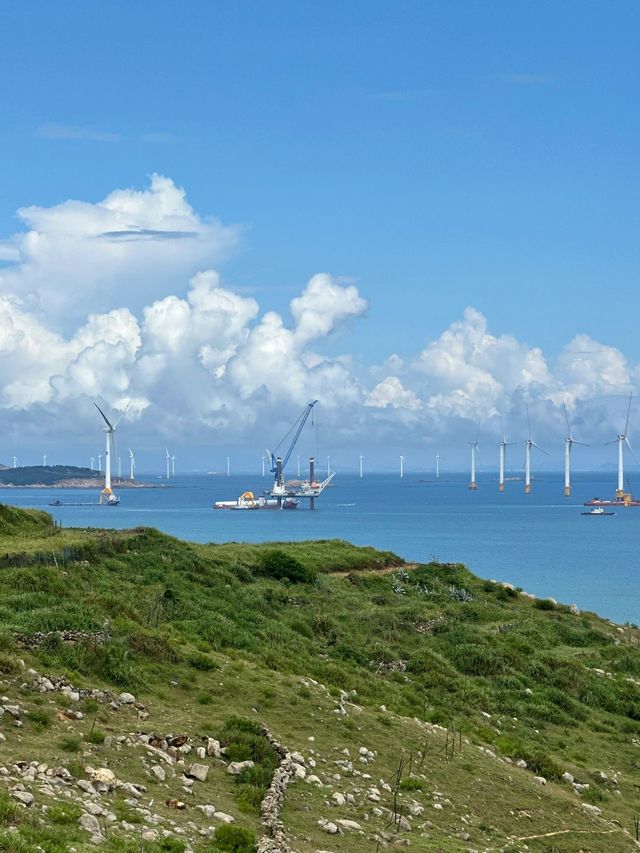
538	541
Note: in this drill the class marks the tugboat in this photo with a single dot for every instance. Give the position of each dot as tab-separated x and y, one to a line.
597	510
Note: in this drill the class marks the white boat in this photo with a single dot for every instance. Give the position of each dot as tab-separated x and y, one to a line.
597	510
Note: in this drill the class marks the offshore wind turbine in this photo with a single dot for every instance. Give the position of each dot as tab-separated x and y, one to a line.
119	467
168	460
622	439
474	453
173	464
107	496
503	452
569	441
228	466
401	467
15	461
529	443
132	465
93	462
44	459
100	463
328	466
361	466
437	466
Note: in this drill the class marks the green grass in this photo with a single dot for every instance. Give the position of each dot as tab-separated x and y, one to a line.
220	636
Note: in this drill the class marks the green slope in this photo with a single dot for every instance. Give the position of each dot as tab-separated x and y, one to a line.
334	648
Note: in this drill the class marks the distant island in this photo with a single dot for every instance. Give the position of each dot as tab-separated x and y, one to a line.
60	477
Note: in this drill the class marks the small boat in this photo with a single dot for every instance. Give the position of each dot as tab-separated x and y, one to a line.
55	503
597	510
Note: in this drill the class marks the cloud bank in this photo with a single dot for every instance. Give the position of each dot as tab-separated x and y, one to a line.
118	300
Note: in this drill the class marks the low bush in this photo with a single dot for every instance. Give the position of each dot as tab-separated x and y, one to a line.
234	839
279	565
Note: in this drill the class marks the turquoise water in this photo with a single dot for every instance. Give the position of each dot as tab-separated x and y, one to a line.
538	541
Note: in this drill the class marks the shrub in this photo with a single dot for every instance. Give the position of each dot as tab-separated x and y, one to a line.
70	743
234	839
40	717
96	736
279	565
544	604
10	811
64	814
202	662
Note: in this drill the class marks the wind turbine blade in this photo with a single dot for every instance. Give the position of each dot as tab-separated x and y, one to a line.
122	414
537	447
626	426
529	423
581	443
609	443
106	419
626	440
566	417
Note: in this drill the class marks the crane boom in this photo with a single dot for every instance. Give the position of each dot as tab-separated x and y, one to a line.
301	422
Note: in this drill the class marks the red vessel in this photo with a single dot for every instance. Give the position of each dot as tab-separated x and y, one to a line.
627	500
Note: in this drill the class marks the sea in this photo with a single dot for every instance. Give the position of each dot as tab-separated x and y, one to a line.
539	542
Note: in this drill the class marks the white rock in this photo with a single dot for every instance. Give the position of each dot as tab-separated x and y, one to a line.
349	824
298	758
104	776
127	699
199	772
593	810
338	798
540	780
90	823
158	772
567	777
213	748
236	767
23	797
224	818
207	811
329	827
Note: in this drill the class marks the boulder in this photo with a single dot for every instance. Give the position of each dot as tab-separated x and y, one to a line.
200	772
236	767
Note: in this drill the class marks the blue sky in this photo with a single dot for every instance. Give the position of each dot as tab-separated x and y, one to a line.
435	155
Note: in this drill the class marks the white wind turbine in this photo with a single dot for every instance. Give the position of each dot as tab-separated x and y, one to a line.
107	496
44	459
173	464
132	465
168	459
401	467
623	438
475	453
569	441
93	462
361	466
15	461
228	466
503	448
529	443
437	466
100	462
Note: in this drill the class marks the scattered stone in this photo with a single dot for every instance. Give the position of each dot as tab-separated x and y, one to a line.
540	780
236	767
24	797
127	699
159	773
200	771
207	811
223	817
592	810
90	823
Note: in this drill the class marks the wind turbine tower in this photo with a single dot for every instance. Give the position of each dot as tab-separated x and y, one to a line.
44	459
93	462
529	443
173	464
622	439
119	467
263	464
107	496
100	463
569	441
401	467
437	466
228	466
168	461
503	452
132	465
15	461
474	452
361	467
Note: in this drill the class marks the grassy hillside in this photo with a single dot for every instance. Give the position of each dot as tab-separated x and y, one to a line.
485	718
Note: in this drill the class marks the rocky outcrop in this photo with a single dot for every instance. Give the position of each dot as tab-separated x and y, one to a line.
42	638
